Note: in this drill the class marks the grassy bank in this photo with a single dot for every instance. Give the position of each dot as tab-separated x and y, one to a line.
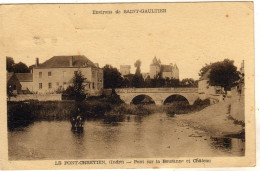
181	107
133	109
26	112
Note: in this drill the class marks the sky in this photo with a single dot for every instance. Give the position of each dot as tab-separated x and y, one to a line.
188	34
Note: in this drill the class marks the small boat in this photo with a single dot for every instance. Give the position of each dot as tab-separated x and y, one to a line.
77	123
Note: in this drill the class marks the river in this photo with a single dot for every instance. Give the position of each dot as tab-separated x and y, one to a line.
130	136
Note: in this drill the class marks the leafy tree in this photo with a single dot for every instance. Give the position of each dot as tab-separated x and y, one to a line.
10	92
9	64
20	68
112	77
174	82
77	90
224	74
127	80
148	82
204	69
189	82
138	80
31	67
138	67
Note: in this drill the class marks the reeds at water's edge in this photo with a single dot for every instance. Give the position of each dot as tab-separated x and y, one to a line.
26	112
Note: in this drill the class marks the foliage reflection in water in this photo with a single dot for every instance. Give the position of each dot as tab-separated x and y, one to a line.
117	136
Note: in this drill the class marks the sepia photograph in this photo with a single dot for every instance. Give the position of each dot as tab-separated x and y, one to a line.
128	85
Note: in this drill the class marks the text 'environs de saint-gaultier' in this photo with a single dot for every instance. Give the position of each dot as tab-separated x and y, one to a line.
130	11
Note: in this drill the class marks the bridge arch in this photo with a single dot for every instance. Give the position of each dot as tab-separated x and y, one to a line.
158	95
176	98
142	99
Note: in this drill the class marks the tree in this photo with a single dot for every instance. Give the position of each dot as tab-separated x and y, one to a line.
224	74
31	67
112	77
137	64
20	68
138	80
174	82
10	92
76	91
147	82
204	69
189	82
9	64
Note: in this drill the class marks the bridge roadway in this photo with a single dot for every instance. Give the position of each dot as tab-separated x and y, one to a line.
159	95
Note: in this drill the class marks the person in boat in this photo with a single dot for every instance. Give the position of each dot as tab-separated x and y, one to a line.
77	121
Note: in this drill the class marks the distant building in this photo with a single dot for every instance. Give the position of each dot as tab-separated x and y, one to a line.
26	80
56	74
166	71
13	83
125	69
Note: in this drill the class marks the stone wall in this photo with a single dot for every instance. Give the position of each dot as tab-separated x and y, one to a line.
237	110
157	90
40	97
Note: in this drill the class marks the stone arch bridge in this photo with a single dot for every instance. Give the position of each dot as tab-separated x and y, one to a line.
158	95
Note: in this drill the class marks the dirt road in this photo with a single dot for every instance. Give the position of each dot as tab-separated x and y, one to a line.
213	120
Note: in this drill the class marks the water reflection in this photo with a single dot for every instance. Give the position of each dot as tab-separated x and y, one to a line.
232	145
113	119
222	143
118	136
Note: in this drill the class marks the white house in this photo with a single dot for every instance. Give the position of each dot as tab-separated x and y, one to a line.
56	74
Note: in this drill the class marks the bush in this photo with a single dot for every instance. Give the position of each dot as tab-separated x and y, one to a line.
19	114
181	107
200	104
131	109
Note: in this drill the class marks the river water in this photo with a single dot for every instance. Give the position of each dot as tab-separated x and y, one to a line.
130	136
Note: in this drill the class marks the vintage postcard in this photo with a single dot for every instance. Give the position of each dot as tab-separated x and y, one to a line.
127	85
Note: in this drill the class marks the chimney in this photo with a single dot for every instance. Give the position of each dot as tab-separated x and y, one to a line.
71	61
37	62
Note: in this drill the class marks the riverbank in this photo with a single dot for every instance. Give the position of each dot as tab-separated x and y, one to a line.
23	113
213	120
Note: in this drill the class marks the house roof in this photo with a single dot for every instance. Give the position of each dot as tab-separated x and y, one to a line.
9	75
166	68
24	77
175	66
64	61
206	75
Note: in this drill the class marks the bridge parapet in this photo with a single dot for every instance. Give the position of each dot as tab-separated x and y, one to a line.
157	90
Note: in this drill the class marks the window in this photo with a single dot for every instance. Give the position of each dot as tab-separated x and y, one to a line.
49	74
93	85
49	85
40	85
40	74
